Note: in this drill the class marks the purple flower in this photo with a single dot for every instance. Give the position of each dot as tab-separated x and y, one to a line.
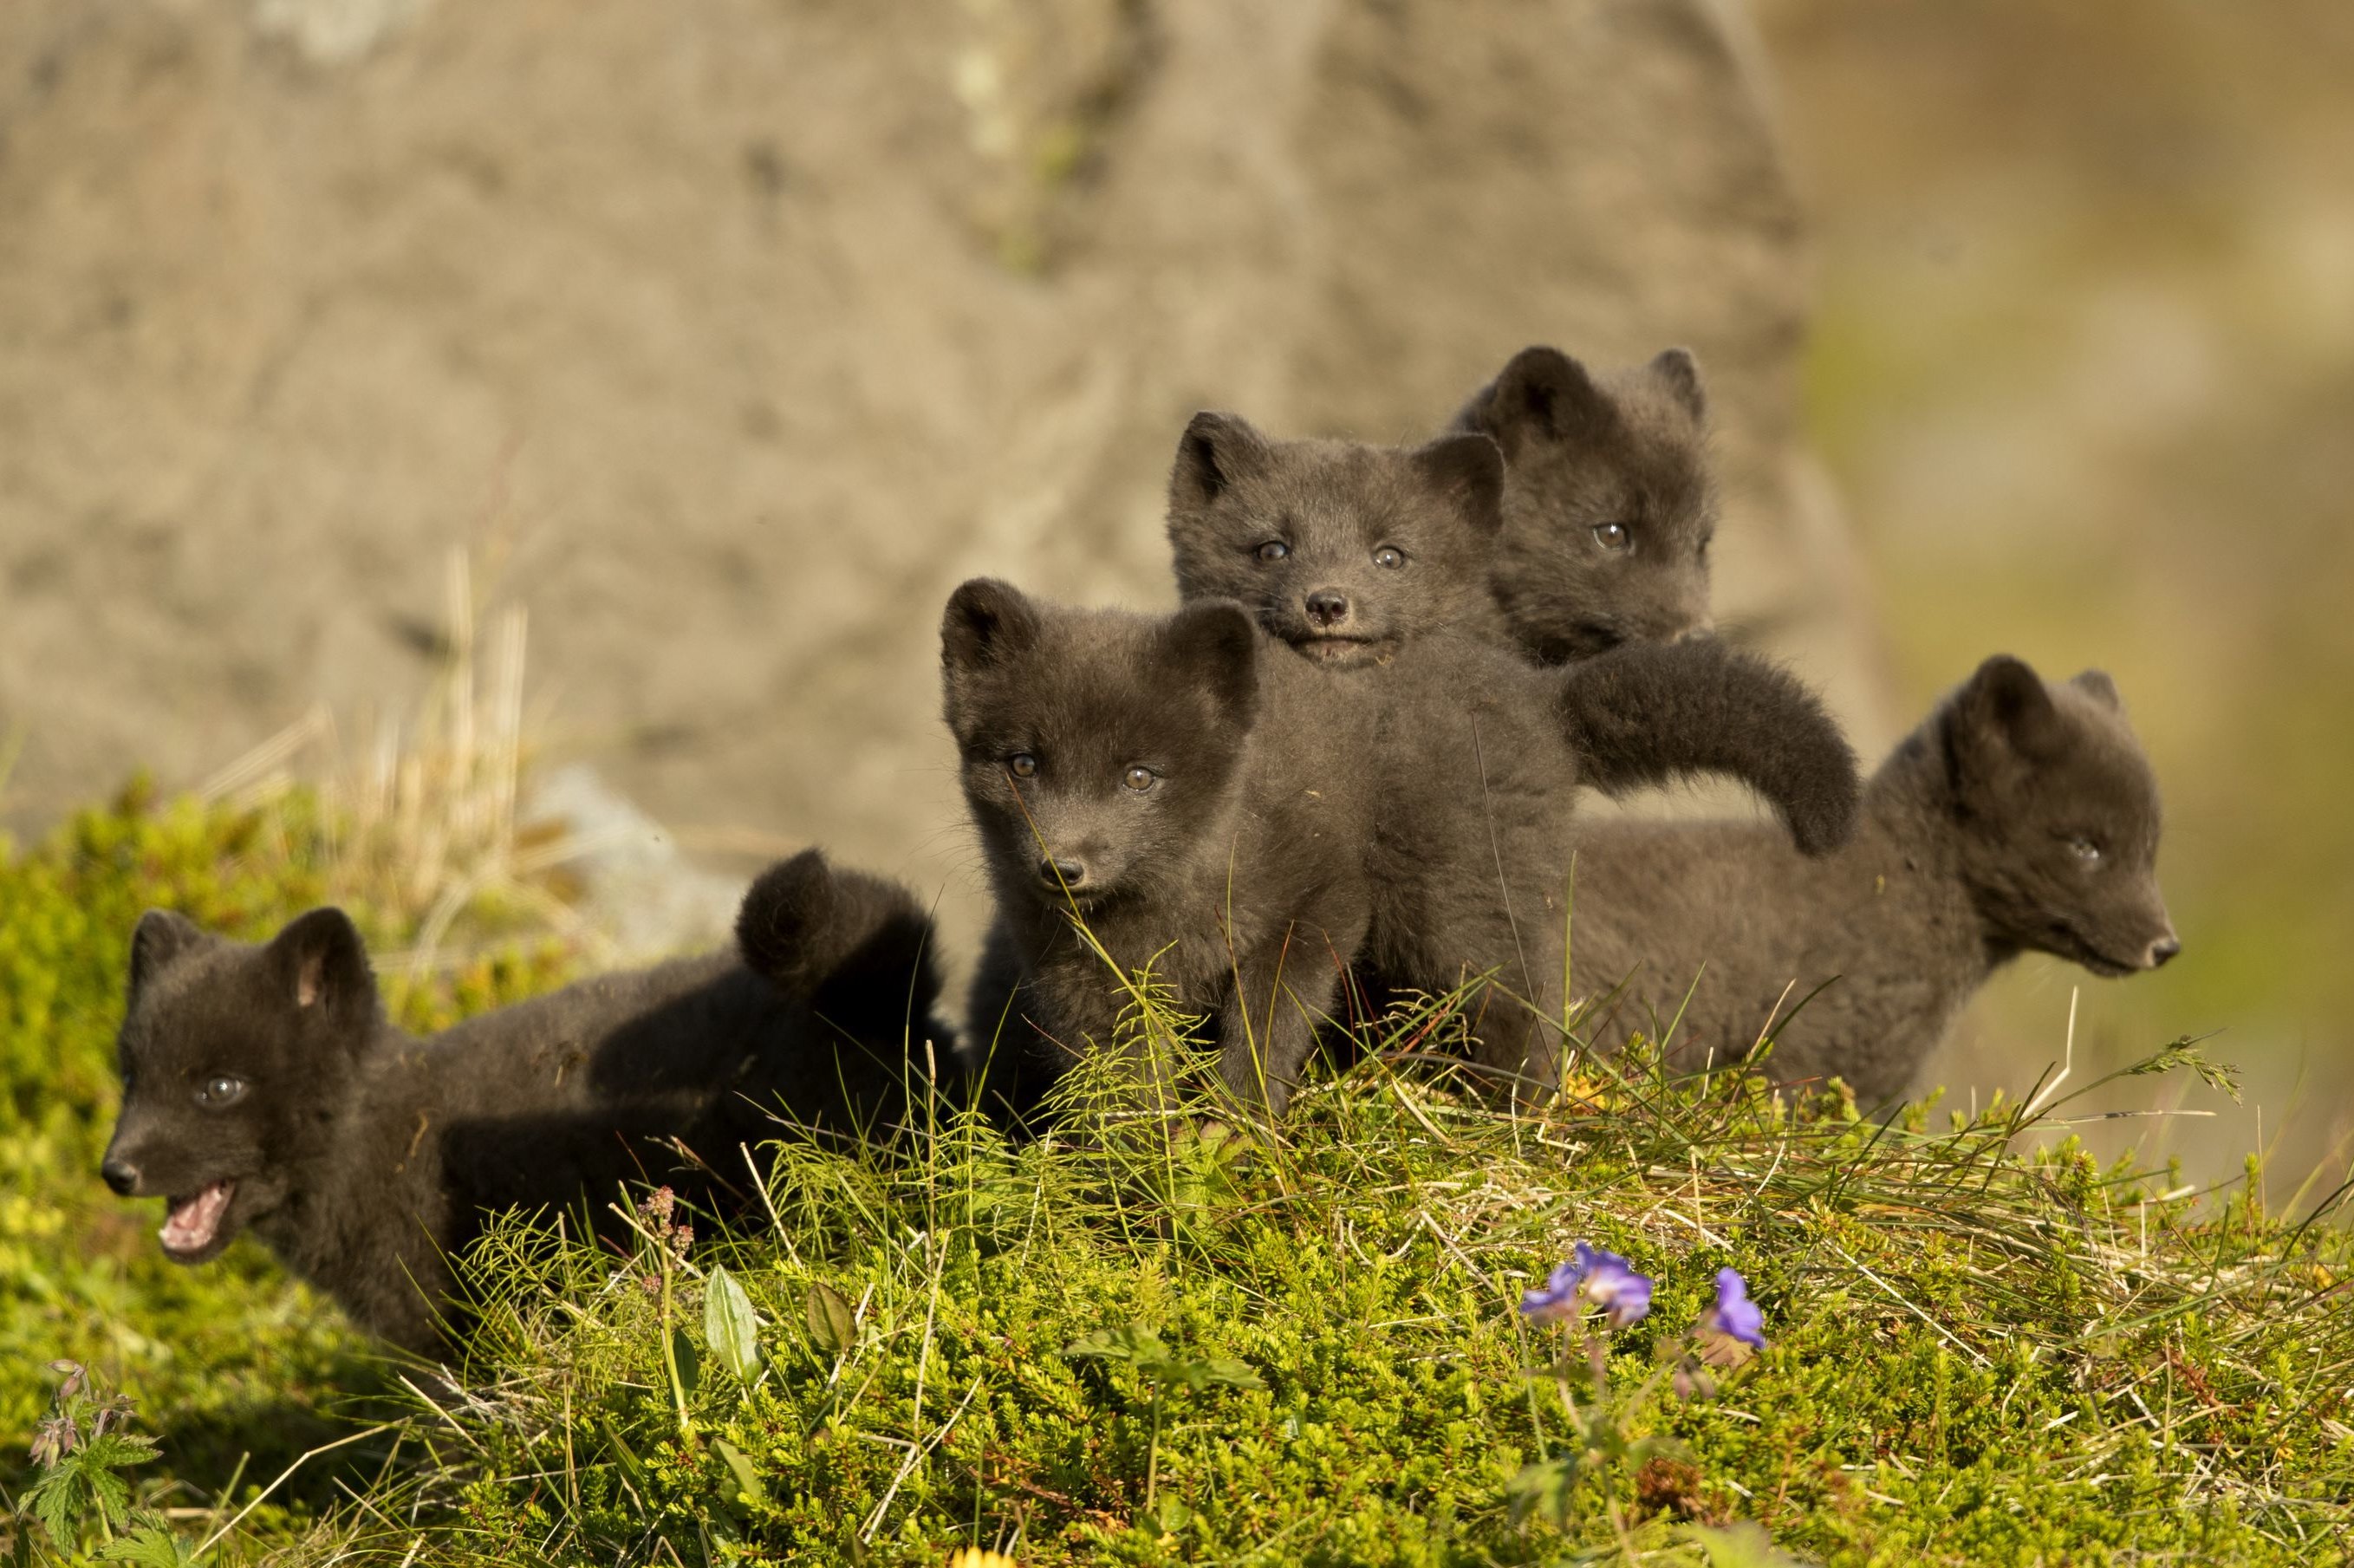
1624	1295
1590	1278
1731	1329
1557	1297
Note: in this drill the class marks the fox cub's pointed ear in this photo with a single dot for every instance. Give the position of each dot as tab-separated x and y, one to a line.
1216	452
2003	716
987	622
1469	470
1214	645
1541	394
2096	684
161	939
321	966
1678	372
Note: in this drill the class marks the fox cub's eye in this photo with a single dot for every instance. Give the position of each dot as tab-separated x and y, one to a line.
1140	780
219	1090
2084	849
1389	555
1613	535
1022	765
1273	550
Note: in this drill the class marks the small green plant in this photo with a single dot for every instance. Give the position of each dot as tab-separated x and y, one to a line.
1742	1545
667	1239
730	1326
82	1447
1140	1350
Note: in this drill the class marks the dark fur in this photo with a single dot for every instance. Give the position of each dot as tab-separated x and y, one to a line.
856	947
367	1158
1582	452
1303	819
1402	538
1334	507
1962	861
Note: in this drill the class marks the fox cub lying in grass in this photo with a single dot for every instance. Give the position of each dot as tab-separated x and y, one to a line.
264	1088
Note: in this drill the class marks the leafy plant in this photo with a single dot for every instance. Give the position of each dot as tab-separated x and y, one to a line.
1742	1545
82	1447
1140	1350
1596	1291
730	1326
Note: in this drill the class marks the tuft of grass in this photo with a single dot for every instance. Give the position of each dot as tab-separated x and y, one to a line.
423	825
1980	1353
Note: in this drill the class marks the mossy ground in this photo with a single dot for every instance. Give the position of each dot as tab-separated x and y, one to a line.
1978	1356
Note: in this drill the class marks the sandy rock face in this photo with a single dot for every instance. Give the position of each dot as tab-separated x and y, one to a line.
733	335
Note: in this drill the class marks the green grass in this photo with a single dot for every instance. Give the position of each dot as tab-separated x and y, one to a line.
1976	1356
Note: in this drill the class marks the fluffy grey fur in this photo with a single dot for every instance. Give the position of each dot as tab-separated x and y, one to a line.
1349	554
1345	551
2020	818
1609	505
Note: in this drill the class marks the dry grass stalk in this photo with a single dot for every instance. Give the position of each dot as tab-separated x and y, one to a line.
422	828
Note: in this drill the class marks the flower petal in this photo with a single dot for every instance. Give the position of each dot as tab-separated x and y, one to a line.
1734	1315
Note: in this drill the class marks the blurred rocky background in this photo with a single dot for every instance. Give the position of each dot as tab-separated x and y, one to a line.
728	338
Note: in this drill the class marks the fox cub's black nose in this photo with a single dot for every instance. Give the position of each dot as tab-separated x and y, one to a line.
121	1175
1062	872
2162	949
1327	607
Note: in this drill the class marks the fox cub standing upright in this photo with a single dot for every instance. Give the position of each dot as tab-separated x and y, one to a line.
2020	818
1609	503
264	1088
1255	824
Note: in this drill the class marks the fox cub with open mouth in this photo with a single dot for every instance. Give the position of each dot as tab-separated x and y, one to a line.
264	1089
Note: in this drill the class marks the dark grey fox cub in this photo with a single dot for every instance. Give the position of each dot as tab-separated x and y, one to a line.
2020	818
1254	825
1610	505
264	1088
